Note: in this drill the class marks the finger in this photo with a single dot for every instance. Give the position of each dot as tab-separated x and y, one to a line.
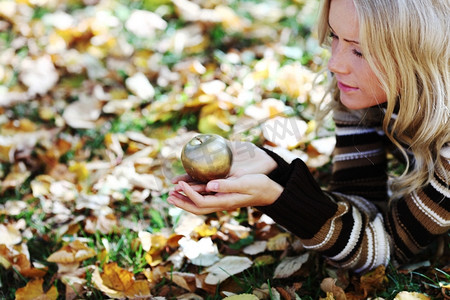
179	196
200	188
186	204
184	177
229	185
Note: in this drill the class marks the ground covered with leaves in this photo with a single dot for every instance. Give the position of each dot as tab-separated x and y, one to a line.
97	99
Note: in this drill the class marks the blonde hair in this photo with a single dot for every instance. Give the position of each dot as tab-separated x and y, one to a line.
406	43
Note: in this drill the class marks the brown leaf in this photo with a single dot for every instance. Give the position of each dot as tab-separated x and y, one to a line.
279	242
372	281
105	224
74	252
328	285
184	280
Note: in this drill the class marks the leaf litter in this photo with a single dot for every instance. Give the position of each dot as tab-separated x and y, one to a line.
97	99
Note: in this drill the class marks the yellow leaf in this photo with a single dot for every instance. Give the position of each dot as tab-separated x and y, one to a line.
119	283
328	297
411	296
80	170
98	282
103	256
213	119
242	297
264	260
33	290
205	230
140	288
279	242
117	278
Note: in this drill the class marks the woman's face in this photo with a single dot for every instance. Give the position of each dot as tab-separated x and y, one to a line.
358	85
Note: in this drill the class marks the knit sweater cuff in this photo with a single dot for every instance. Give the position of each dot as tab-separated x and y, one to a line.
281	173
302	208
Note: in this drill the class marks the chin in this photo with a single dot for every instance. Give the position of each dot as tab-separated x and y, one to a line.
355	103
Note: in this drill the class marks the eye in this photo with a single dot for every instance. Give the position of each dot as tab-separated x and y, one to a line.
357	53
333	35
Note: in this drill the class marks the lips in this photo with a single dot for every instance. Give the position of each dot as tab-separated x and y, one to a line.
346	88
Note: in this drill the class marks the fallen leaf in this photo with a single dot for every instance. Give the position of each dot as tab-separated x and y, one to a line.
184	280
33	290
284	132
200	253
68	258
411	296
10	235
255	248
328	285
279	242
289	265
374	280
226	267
82	113
139	85
105	224
39	75
119	283
144	23
241	297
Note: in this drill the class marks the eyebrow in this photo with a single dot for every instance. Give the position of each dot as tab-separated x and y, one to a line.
347	40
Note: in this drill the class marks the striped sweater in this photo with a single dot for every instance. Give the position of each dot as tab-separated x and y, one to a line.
349	223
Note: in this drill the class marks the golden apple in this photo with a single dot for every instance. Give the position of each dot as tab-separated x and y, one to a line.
206	157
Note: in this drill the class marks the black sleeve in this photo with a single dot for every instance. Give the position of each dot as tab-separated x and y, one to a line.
303	208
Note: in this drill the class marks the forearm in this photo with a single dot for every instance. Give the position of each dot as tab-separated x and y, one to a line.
338	226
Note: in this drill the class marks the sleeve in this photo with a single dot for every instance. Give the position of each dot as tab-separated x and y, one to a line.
415	220
347	223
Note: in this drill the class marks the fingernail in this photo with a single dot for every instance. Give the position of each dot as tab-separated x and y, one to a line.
213	186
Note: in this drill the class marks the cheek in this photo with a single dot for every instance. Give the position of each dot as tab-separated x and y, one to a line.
371	84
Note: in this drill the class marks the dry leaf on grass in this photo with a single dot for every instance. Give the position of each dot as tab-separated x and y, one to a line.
226	267
69	257
241	297
33	290
290	265
119	283
411	296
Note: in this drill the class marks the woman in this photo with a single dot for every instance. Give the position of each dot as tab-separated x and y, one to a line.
390	61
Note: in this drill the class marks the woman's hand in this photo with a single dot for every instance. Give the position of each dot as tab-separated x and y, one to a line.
228	194
247	159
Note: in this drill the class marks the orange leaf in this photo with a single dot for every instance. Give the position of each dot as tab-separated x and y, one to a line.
140	288
34	290
372	281
76	251
117	278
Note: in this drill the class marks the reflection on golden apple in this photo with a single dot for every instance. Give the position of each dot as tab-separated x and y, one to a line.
206	157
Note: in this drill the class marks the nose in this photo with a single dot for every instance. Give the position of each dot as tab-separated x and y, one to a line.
338	63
